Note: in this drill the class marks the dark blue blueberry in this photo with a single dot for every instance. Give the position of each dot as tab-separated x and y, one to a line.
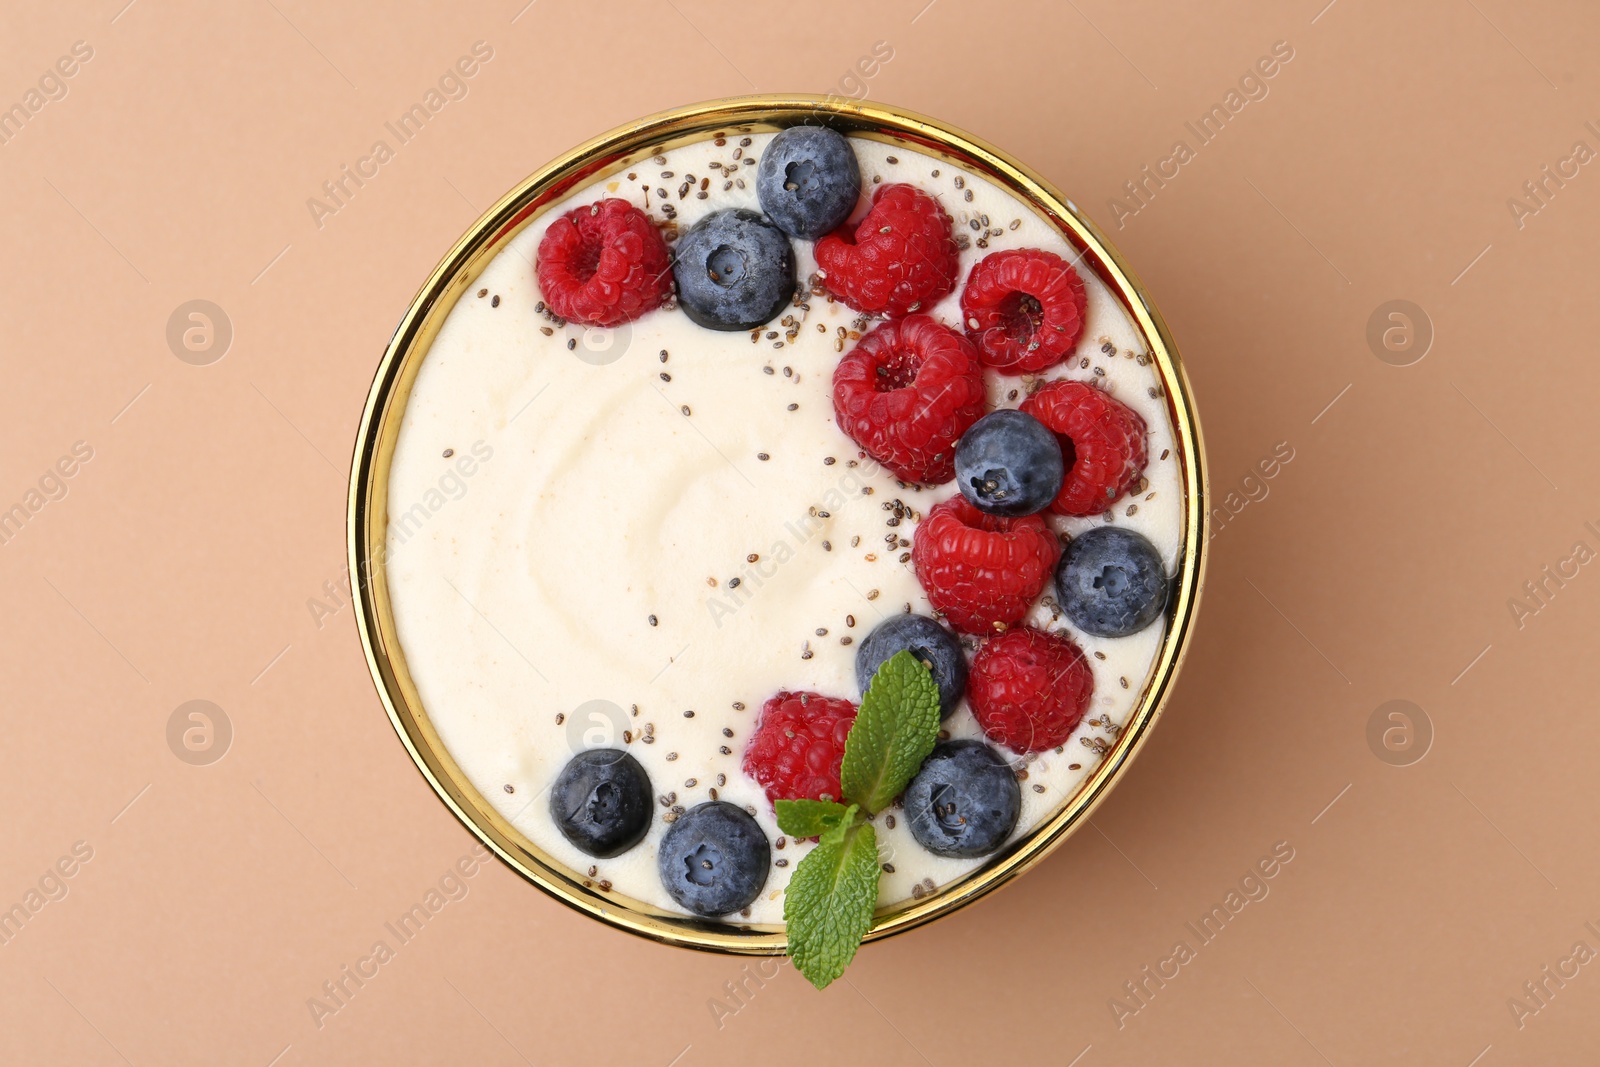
735	270
1008	463
714	859
964	802
1110	582
808	181
601	801
929	642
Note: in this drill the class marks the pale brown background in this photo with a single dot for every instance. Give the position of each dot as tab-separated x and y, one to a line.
1379	567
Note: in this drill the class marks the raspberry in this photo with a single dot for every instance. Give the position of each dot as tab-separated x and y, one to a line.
798	745
1102	442
898	259
604	264
906	393
1024	309
1029	689
982	571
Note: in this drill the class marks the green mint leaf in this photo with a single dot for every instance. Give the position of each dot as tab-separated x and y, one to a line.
830	900
809	818
894	731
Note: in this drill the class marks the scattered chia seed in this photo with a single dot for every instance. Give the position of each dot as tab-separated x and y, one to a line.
572	344
671	756
494	301
508	788
561	717
733	583
888	821
794	407
768	370
685	410
780	862
482	293
850	620
688	715
449	452
666	377
762	456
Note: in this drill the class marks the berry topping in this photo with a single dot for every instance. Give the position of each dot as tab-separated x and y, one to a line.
1029	689
798	746
964	802
808	181
1110	582
604	264
900	258
929	642
1009	463
1024	309
735	270
982	572
906	393
714	859
601	801
1102	444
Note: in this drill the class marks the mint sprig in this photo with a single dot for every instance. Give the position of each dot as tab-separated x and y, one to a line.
831	898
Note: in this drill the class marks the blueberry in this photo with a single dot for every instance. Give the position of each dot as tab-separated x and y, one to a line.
964	802
601	801
1110	582
714	859
808	181
735	270
929	642
1009	463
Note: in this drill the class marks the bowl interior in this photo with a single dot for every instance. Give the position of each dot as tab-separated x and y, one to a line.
455	276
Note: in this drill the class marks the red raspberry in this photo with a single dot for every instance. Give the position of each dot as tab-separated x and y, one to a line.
798	745
604	264
1102	442
906	393
898	259
1024	309
982	571
1028	689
